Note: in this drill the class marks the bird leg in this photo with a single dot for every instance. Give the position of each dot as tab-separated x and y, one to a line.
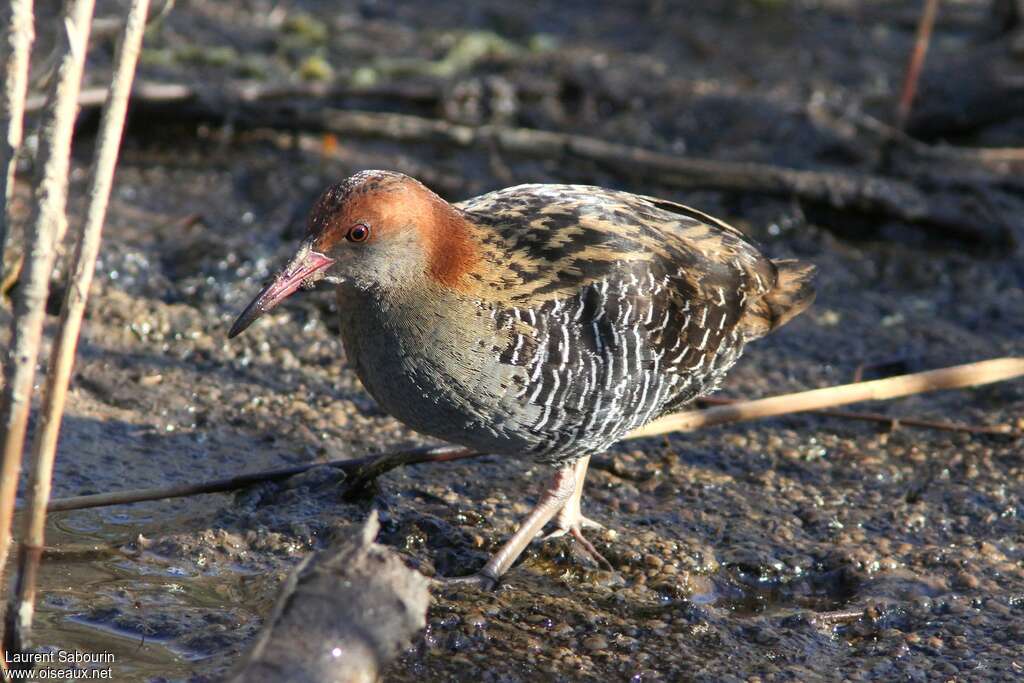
552	500
571	516
570	519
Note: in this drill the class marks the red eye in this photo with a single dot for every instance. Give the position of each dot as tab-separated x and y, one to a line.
358	233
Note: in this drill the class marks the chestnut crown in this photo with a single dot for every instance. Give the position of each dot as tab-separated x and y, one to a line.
377	230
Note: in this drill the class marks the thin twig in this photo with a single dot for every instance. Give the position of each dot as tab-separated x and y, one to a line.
921	42
351	466
958	376
48	215
18	38
893	421
946	378
841	616
44	446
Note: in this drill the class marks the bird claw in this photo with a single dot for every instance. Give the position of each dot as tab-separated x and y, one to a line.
576	531
590	550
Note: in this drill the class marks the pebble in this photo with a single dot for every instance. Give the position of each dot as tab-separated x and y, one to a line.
595	643
562	630
337	415
476	620
653	561
966	581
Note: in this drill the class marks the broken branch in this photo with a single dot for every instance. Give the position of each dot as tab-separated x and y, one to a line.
343	614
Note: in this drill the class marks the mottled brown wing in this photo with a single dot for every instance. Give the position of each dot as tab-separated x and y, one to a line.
607	291
550	241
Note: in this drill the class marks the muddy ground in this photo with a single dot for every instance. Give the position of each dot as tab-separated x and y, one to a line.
733	548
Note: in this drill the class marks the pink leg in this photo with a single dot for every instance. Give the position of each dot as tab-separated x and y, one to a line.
570	519
554	498
571	516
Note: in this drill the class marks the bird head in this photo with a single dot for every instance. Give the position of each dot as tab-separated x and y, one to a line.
376	230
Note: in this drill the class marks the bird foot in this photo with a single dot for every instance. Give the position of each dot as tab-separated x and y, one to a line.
580	523
570	520
590	550
576	531
480	581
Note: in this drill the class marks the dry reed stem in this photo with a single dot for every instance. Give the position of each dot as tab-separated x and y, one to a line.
44	446
914	66
958	376
48	215
18	39
894	421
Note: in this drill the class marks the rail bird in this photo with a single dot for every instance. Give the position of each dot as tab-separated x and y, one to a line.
539	321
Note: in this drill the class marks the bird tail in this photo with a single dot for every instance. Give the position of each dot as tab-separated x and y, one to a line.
792	293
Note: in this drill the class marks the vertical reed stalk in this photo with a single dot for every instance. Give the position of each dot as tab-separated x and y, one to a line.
48	215
18	43
44	445
921	42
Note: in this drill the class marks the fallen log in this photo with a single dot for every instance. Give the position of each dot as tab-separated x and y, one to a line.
342	615
957	210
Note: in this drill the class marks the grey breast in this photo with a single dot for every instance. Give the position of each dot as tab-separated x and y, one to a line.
435	368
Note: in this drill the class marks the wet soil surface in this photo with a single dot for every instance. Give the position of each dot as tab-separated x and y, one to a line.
802	548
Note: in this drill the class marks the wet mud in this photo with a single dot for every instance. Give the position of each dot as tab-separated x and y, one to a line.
799	548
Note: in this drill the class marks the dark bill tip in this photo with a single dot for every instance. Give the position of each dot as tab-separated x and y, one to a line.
251	313
306	264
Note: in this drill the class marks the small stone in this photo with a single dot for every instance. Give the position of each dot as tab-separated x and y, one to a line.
966	581
653	561
561	630
338	416
595	643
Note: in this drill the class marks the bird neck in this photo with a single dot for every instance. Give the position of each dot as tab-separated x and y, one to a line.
401	310
452	246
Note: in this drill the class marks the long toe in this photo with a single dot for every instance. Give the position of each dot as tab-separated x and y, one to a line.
580	523
570	520
576	531
590	550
